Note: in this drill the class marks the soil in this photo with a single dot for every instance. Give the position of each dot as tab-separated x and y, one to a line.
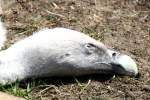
123	25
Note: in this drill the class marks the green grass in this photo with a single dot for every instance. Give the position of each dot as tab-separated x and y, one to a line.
24	88
17	90
21	89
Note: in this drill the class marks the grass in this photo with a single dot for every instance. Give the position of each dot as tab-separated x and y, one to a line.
24	88
82	86
17	90
91	31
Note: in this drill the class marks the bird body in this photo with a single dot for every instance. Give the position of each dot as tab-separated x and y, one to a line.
61	52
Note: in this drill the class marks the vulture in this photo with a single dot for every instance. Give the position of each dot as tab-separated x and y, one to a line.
60	52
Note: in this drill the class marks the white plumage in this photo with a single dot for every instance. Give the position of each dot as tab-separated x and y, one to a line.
59	52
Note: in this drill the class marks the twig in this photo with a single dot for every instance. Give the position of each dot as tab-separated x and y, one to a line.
48	87
59	15
85	86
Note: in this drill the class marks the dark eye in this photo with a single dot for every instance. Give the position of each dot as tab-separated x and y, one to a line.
114	54
90	48
90	45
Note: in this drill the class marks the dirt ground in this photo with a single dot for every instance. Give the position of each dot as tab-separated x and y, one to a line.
120	24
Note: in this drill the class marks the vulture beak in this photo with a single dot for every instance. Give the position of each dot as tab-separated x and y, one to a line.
123	64
128	65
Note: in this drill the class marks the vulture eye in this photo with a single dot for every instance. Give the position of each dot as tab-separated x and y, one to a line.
90	48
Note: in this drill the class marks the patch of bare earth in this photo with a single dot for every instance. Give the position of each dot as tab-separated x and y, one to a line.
121	24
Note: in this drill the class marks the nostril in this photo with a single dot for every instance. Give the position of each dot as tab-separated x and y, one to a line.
114	54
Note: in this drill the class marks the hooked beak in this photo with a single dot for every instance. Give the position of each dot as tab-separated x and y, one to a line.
127	64
124	65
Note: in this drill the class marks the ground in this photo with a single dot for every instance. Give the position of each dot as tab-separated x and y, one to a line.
123	25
